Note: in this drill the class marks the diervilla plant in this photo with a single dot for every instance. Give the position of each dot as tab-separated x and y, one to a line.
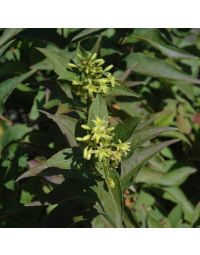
96	170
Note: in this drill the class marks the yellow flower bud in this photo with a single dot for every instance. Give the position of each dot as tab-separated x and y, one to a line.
108	68
72	65
111	182
83	139
86	127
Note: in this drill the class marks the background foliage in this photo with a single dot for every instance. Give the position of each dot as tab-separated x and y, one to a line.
39	118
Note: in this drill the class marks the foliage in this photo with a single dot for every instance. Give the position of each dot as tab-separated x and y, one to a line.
99	128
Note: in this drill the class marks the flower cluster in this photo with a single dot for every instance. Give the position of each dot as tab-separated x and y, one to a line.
92	78
101	145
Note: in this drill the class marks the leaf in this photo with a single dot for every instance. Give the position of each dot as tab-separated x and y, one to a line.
173	178
5	47
8	34
125	129
176	195
157	68
175	215
146	134
86	32
7	86
59	62
152	223
98	108
138	158
14	133
177	177
123	91
158	41
66	124
110	200
64	159
97	46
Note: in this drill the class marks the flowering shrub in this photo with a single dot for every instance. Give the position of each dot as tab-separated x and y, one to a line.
86	142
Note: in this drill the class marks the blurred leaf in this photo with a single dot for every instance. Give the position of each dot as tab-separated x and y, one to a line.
14	133
176	195
175	215
5	47
172	178
123	91
157	68
157	40
7	87
8	34
152	223
86	32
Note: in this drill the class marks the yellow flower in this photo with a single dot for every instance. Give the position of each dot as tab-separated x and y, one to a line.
123	147
83	139
87	153
100	130
86	127
102	153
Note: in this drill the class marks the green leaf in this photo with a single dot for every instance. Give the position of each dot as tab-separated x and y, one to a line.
7	87
64	159
138	158
153	223
158	41
173	178
176	195
97	46
146	134
5	47
123	91
177	177
175	215
86	32
110	206
8	34
98	108
157	68
14	133
125	129
59	62
66	124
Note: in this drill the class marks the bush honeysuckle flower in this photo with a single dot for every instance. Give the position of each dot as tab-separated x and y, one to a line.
91	78
100	145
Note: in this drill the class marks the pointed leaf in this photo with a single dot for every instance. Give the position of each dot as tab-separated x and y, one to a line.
141	136
123	91
66	124
64	159
8	34
7	86
157	68
98	108
110	200
59	62
158	41
139	157
125	129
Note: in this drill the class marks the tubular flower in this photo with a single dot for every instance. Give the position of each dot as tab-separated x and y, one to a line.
91	78
100	145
